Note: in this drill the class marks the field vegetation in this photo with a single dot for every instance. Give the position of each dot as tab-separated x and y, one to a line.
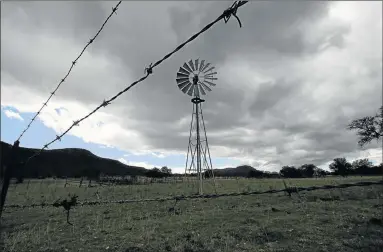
323	220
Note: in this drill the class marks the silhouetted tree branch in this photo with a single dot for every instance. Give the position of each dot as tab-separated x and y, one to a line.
368	128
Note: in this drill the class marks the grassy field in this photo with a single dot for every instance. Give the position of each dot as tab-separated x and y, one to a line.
323	220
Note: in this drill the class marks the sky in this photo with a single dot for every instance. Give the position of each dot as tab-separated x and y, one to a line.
289	81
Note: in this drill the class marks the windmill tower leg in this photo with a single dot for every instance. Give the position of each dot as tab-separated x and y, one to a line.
190	150
199	168
207	151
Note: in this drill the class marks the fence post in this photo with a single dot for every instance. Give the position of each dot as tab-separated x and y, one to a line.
9	168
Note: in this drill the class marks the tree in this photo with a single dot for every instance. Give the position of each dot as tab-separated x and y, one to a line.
340	166
320	172
166	170
255	174
362	167
208	174
155	173
308	170
361	163
368	128
290	172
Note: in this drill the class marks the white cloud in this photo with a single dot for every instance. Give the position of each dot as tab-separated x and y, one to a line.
123	160
12	114
142	164
139	164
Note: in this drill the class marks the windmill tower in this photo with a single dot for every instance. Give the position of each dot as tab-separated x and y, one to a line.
195	79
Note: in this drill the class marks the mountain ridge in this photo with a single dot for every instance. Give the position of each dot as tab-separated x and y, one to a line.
68	162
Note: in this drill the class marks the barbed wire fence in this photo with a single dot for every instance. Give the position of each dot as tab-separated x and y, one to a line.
72	202
289	190
114	9
226	15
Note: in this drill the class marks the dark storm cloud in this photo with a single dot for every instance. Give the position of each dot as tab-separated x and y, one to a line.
270	26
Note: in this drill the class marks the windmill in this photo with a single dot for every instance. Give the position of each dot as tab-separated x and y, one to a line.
195	79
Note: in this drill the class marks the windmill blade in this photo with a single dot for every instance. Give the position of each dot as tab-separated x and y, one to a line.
186	88
208	74
201	89
205	86
187	68
196	90
191	91
210	83
183	70
191	65
201	65
183	84
211	68
179	80
206	66
196	64
182	75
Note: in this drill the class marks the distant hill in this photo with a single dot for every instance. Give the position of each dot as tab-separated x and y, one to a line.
70	162
243	171
240	171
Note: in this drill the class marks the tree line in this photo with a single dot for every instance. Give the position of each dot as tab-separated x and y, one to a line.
339	166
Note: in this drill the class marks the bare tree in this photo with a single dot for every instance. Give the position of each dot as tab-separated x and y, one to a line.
368	128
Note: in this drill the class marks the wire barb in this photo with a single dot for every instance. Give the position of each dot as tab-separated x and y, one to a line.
105	103
114	10
149	70
233	11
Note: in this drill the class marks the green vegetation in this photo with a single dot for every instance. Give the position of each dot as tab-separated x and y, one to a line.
323	220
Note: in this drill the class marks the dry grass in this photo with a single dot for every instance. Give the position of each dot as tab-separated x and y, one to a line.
324	220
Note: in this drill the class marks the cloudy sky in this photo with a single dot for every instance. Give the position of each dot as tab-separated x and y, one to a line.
289	81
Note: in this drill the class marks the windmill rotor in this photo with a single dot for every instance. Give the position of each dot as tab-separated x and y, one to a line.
196	77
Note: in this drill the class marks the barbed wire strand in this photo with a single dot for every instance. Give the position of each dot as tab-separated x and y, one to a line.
149	70
114	9
205	196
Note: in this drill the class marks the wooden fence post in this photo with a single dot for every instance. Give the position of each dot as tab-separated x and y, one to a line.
9	168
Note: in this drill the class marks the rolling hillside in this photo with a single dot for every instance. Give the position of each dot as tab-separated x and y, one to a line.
70	162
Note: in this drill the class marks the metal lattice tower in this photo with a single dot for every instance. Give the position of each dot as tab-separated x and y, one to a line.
195	79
